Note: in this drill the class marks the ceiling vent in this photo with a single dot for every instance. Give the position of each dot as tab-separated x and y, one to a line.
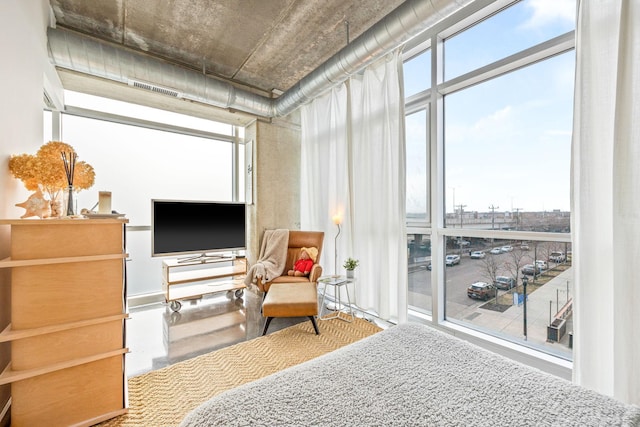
155	88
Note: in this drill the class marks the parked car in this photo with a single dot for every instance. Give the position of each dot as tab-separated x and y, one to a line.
477	255
542	264
505	282
530	269
524	247
557	257
452	260
506	248
495	251
481	290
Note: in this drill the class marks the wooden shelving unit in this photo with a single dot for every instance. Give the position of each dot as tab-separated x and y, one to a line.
189	280
68	312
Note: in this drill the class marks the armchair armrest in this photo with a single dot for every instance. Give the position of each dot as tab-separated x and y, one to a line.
316	272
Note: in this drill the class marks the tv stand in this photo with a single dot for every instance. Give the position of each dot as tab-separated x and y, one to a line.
191	279
203	258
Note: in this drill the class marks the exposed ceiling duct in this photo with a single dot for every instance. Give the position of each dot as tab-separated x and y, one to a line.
83	54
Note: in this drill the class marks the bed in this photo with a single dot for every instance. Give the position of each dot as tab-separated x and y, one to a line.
412	374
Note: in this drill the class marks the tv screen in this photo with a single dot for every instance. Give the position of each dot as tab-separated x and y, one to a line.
186	227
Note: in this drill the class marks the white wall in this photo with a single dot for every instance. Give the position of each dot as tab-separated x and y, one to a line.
23	49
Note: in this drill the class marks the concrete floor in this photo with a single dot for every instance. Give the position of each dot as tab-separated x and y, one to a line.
158	337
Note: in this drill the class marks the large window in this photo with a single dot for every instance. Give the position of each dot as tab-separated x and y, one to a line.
142	154
417	166
507	145
512	30
495	214
417	74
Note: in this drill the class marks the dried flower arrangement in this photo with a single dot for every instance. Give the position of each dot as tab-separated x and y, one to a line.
47	171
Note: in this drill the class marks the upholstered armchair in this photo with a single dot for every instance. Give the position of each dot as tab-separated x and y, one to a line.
298	240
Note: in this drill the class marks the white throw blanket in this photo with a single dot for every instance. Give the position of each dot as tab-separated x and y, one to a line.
272	259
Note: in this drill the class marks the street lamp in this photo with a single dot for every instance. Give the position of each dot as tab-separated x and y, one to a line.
525	280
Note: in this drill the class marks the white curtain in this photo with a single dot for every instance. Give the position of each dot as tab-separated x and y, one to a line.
363	157
324	174
606	198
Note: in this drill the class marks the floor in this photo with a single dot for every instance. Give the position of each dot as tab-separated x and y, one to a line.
158	337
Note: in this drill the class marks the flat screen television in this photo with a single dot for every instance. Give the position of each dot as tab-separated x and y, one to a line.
196	227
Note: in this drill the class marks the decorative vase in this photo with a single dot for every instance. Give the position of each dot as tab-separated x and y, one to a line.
349	274
70	210
56	208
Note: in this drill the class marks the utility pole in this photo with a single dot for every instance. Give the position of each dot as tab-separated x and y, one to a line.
454	201
517	211
461	207
493	215
460	238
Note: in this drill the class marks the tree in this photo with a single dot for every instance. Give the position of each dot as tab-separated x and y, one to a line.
516	260
490	267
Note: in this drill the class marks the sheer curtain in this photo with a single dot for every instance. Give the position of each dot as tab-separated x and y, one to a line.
362	157
324	180
606	198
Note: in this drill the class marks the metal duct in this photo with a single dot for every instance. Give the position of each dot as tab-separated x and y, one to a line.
87	55
101	59
407	21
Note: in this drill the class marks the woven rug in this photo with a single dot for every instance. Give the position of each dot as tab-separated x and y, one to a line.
165	396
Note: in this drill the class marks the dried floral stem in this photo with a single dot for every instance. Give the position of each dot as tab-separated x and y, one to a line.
69	165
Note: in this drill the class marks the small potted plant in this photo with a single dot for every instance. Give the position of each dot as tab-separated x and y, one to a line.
350	264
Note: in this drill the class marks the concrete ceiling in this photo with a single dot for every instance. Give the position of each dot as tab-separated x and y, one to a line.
264	46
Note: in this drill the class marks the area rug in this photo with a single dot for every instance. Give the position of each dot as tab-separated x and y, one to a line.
165	396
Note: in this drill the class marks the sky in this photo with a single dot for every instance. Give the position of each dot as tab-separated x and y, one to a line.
507	140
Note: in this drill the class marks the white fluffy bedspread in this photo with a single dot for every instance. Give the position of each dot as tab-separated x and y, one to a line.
412	375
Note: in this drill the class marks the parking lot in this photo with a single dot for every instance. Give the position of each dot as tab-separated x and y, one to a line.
510	321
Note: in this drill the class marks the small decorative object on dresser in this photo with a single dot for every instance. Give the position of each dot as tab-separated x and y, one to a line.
350	264
36	205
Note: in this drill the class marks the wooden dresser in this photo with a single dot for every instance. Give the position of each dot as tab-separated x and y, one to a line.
67	331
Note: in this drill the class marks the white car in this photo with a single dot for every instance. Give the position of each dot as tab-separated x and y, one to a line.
452	260
506	248
557	257
477	255
542	265
495	251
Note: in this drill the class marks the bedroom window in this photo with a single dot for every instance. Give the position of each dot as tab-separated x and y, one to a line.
419	262
514	29
485	289
417	74
417	165
497	129
138	160
507	149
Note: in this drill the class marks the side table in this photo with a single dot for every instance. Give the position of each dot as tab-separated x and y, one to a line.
338	282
